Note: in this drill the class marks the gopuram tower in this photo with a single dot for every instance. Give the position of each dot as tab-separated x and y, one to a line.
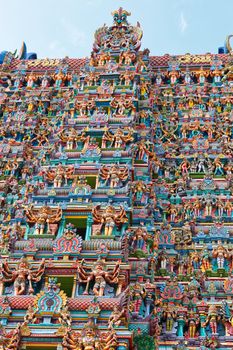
116	198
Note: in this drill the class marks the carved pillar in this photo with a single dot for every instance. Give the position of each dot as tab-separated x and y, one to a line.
181	324
89	227
74	287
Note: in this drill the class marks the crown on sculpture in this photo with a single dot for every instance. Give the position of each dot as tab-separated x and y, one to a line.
120	17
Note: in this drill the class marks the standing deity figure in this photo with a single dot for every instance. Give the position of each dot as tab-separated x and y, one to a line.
205	260
163	259
140	237
212	319
221	254
109	218
140	192
195	259
218	167
71	137
187	77
60	174
122	107
185	165
197	207
45	81
173	211
114	175
44	218
220	207
142	150
65	318
21	275
98	275
228	208
117	140
30	80
169	315
59	78
201	76
208	201
192	321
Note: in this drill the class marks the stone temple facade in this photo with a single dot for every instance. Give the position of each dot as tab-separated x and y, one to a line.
116	201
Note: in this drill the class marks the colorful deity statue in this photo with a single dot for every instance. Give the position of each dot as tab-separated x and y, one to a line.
169	315
10	340
59	78
221	254
23	275
117	140
90	339
193	322
44	219
99	275
59	174
71	137
109	218
115	319
213	319
114	175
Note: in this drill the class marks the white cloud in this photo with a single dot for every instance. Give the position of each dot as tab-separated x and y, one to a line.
183	23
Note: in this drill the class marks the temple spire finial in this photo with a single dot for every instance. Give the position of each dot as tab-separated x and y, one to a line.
120	17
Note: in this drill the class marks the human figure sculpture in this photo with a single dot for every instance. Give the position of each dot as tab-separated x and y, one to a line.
212	319
169	315
115	317
221	254
23	274
99	275
109	218
117	140
59	175
114	175
192	321
89	339
42	218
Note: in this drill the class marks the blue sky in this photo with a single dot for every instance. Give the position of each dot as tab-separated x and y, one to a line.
59	28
